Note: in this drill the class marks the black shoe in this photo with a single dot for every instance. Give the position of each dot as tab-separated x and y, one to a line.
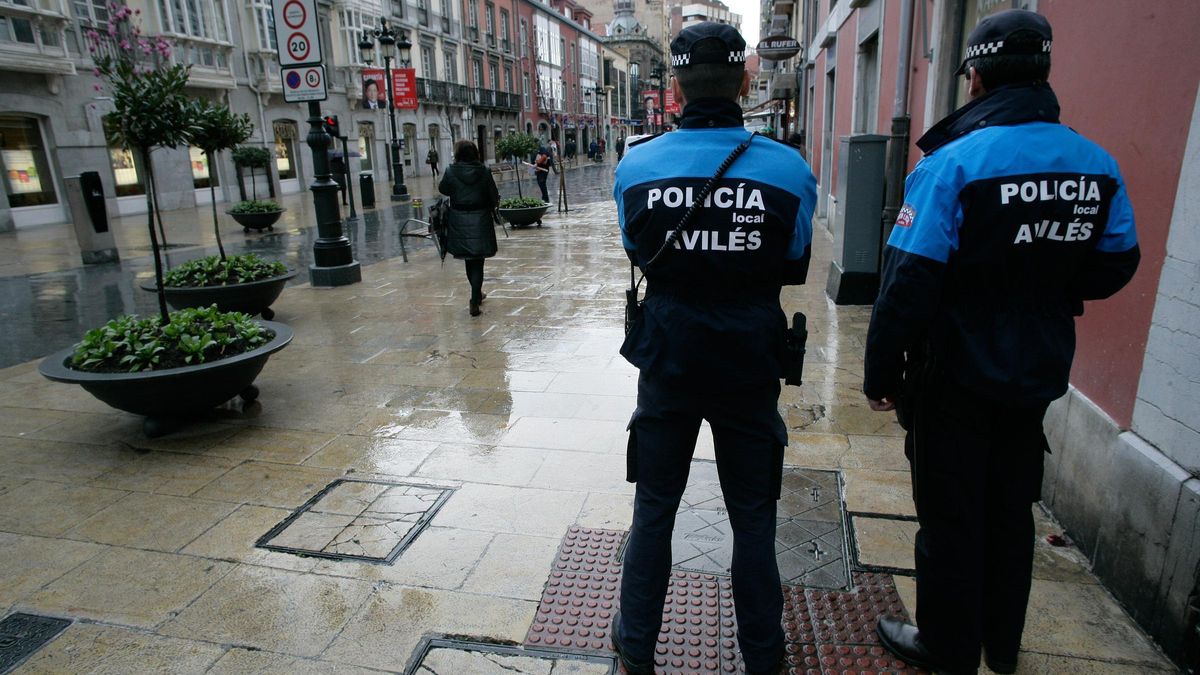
1001	665
630	667
475	308
482	297
777	669
903	640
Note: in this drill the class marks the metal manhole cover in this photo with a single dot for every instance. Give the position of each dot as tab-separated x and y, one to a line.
361	520
23	634
810	536
450	655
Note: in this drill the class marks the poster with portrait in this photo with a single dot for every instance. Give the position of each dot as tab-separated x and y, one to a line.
374	88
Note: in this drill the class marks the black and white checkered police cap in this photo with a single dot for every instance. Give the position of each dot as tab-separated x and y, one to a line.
992	34
684	45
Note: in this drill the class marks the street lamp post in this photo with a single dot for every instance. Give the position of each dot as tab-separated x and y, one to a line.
656	81
388	42
662	102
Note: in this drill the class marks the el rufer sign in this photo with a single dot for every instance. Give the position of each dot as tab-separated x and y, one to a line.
777	48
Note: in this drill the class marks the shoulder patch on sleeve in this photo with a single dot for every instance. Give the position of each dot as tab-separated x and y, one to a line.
906	216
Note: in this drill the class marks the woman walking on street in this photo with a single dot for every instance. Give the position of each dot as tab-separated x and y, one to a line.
432	160
471	234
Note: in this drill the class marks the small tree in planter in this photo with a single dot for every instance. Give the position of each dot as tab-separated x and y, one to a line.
149	107
252	158
172	365
514	146
217	129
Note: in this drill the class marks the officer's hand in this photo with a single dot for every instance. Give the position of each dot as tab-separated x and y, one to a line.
882	405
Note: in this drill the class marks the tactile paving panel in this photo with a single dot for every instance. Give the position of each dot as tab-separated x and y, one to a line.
826	631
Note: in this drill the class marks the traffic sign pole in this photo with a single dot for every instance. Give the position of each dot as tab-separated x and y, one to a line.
297	35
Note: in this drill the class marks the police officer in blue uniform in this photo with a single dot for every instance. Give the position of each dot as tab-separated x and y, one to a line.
1011	221
710	342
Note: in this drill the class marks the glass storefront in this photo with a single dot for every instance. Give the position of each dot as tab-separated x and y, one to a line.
199	162
23	159
285	148
125	172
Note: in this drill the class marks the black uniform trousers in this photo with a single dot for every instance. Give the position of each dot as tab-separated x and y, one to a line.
976	472
749	437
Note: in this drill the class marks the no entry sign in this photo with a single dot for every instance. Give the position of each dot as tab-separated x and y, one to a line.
296	32
304	83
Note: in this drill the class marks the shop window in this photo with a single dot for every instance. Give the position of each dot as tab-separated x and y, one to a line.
285	148
24	162
126	175
410	139
366	145
199	162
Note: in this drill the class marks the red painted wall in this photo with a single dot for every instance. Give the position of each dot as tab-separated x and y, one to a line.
1126	76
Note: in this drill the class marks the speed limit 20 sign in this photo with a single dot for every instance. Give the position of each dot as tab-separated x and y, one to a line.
296	32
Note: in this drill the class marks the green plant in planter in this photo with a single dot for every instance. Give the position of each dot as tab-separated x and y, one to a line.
255	206
216	129
252	158
521	203
131	344
213	271
149	106
514	146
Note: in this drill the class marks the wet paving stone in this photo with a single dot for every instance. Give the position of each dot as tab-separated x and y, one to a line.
359	520
827	631
447	656
810	540
23	634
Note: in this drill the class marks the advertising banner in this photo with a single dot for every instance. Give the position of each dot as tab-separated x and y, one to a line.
404	88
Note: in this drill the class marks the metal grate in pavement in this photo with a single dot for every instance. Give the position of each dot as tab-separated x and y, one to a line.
810	536
360	520
23	634
455	655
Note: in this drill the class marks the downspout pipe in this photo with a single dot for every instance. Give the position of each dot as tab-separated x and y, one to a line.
897	151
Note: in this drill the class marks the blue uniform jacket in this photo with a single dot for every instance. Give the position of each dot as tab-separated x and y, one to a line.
712	308
1010	222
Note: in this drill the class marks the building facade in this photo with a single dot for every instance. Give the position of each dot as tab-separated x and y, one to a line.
1124	476
464	54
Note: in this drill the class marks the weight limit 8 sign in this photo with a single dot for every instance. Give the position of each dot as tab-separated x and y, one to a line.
296	32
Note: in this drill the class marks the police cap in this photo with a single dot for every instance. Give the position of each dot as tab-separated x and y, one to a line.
991	36
732	43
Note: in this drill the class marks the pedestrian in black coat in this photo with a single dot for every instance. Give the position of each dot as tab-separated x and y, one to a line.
471	234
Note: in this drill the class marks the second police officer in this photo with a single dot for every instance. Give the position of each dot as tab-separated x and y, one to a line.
1011	221
710	341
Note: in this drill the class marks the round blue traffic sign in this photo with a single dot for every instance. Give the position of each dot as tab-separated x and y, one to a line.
293	80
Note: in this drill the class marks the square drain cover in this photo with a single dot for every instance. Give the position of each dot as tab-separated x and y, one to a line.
810	535
24	634
445	655
361	520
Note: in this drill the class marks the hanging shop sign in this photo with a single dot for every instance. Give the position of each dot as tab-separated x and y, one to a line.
777	48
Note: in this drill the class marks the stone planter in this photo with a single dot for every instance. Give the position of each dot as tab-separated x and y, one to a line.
525	216
257	221
252	297
169	396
